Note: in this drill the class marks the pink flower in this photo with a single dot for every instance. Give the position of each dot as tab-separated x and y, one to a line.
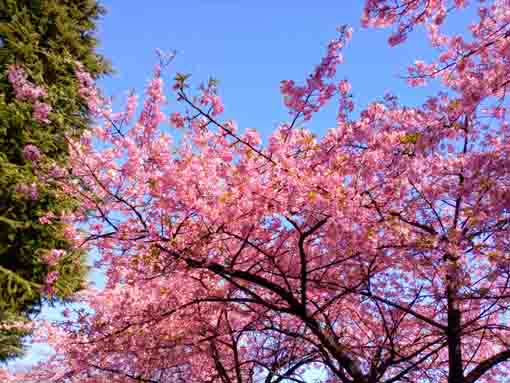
46	219
33	192
88	91
217	105
31	153
397	38
460	3
57	172
28	191
51	277
227	157
24	90
213	100
230	125
49	282
309	98
252	137
131	106
54	256
177	120
344	87
348	33
41	111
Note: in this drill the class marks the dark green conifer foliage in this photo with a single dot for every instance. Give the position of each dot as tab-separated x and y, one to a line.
46	38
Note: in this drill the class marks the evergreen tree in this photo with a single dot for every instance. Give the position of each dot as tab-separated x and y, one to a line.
41	44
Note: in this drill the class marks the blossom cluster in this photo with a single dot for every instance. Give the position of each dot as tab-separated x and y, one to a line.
24	90
54	256
88	91
212	100
309	98
29	191
31	153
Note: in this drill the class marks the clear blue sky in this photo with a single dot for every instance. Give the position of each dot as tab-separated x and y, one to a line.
250	46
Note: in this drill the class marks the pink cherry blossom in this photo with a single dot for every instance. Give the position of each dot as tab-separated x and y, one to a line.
24	90
29	191
177	120
31	153
41	111
54	256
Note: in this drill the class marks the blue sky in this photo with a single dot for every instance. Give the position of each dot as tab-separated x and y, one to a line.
250	46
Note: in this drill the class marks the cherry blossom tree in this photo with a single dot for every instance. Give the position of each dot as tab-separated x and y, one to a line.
376	253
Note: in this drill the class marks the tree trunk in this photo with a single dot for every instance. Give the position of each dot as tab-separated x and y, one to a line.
455	366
